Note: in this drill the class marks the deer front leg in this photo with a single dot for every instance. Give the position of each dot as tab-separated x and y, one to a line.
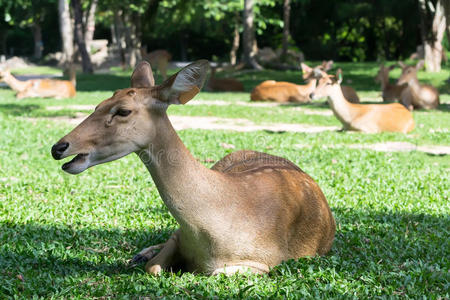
157	261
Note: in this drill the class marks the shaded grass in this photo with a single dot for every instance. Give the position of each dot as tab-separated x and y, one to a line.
67	236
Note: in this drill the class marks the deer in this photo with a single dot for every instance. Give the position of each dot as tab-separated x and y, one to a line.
283	92
223	84
369	118
41	87
349	92
417	96
249	212
158	59
390	92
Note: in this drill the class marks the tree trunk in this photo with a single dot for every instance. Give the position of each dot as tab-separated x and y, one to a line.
90	24
236	38
65	29
37	36
286	19
79	38
131	37
120	36
433	41
249	36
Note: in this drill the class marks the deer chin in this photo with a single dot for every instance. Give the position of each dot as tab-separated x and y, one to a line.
78	164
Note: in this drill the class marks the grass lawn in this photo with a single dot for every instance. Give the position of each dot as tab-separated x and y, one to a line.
66	236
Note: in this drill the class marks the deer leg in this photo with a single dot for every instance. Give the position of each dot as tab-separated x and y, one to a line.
164	259
156	261
242	267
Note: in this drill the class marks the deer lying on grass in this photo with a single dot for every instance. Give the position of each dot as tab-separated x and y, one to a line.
417	95
349	92
250	211
223	84
283	92
391	92
41	87
158	59
371	118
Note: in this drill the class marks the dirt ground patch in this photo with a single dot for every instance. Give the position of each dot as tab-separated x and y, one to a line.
303	110
391	147
213	123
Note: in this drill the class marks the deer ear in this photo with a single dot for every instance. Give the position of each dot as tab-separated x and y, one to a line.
142	76
327	65
420	64
401	64
339	76
184	85
305	68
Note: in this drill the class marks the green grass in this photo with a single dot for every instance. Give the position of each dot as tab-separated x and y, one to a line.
65	236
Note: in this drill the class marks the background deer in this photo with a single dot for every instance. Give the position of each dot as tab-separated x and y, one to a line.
391	92
251	210
283	92
159	59
223	84
349	92
371	118
41	87
418	95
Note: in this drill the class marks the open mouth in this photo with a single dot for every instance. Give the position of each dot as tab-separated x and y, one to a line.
79	158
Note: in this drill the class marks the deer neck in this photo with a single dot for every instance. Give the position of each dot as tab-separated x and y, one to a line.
342	109
414	84
309	87
186	186
14	83
384	81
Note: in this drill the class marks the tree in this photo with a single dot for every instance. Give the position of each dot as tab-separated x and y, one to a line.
286	17
433	34
66	31
89	23
79	37
249	40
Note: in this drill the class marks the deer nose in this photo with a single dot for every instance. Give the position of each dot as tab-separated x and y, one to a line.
311	96
58	150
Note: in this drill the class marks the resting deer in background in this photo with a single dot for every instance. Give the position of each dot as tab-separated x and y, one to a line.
250	211
417	95
349	92
371	118
223	84
391	92
41	87
283	92
159	59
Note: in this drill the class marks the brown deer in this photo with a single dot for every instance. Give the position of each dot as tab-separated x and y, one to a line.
283	92
41	87
371	118
159	59
250	211
349	92
391	92
223	84
417	95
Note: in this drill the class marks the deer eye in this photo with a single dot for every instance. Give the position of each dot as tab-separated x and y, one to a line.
123	112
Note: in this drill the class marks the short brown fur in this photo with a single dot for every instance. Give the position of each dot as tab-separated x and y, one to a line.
40	87
371	118
250	211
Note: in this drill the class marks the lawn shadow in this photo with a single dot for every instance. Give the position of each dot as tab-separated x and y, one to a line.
19	109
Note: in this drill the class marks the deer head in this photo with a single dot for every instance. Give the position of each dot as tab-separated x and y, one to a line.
409	72
327	84
128	121
383	72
